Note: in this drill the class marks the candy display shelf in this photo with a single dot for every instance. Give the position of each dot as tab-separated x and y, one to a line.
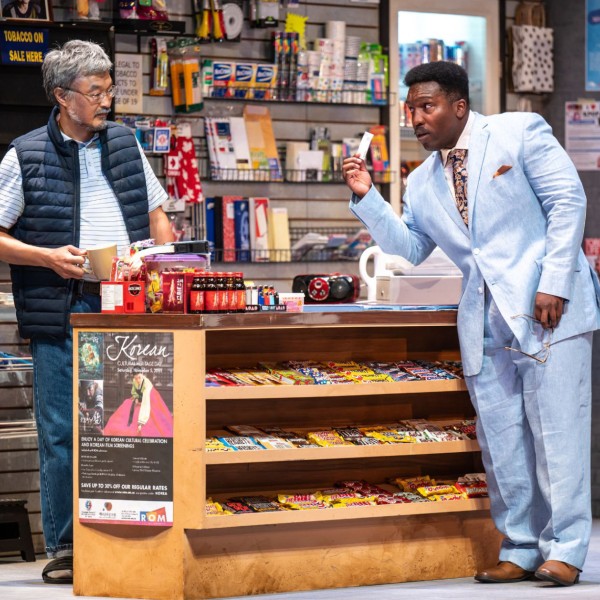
202	556
338	514
342	452
328	391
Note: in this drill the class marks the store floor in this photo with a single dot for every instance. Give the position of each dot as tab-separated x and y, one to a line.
22	581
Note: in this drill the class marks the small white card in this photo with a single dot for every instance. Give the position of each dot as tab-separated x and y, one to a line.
363	147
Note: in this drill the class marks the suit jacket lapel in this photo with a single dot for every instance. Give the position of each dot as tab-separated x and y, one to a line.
477	147
444	196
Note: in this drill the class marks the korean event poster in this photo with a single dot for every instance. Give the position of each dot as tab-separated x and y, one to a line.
125	418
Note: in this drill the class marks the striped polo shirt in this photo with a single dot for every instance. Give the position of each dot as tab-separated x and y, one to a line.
101	219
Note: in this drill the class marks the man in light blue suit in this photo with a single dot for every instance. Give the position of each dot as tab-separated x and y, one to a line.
503	200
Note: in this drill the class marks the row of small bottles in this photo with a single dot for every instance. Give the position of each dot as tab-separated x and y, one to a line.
218	292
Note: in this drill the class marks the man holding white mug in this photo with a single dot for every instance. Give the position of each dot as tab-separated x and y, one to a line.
78	182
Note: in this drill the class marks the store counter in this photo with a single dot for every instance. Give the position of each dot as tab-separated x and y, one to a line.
148	488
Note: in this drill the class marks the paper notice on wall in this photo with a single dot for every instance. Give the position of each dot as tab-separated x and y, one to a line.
582	134
128	78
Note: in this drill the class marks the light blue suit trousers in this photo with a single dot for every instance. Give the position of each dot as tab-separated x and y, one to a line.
533	428
526	220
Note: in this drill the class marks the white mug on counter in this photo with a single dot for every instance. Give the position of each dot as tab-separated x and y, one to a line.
383	264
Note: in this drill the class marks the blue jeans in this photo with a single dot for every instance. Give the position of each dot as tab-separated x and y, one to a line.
53	402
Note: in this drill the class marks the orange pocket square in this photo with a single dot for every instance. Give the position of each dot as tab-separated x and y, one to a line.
503	169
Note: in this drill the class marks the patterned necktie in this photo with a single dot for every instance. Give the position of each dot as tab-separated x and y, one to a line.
459	172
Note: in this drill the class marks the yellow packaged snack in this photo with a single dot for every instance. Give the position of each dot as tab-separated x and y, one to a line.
375	378
430	490
393	437
410	484
213	508
351	502
334	495
326	438
213	444
295	498
307	505
445	497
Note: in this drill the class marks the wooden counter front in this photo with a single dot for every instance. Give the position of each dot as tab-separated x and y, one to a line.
211	557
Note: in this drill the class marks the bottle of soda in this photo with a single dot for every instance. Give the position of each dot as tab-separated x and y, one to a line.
222	295
231	299
240	292
196	296
211	297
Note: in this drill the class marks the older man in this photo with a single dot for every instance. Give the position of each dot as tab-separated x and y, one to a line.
77	182
500	196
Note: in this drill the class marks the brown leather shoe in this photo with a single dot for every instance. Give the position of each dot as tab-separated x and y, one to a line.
504	572
558	572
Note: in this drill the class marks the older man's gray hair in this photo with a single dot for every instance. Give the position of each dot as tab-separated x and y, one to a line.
76	58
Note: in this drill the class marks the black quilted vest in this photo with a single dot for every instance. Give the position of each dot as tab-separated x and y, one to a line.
51	187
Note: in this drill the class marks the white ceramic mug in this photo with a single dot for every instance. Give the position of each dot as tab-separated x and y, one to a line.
382	265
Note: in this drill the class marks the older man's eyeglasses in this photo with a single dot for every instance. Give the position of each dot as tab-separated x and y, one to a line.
96	97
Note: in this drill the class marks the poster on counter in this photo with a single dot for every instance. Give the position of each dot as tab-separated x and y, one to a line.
582	134
125	402
592	46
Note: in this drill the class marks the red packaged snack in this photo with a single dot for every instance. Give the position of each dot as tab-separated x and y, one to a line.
236	507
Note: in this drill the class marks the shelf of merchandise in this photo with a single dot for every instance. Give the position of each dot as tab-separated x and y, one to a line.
341	452
360	98
200	556
148	27
349	513
328	391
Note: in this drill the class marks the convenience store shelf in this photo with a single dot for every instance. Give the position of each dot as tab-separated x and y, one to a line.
333	391
338	514
197	554
340	452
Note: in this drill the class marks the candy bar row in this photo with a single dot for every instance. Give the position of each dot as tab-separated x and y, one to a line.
346	494
307	372
411	431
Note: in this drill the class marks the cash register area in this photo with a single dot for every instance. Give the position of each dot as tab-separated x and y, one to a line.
21	581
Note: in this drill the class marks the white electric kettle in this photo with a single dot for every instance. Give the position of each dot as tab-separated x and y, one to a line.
383	264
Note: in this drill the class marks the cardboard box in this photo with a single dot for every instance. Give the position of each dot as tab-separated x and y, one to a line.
173	285
419	290
259	229
261	139
112	297
134	296
278	234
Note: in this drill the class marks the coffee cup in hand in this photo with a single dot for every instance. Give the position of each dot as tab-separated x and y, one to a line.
100	259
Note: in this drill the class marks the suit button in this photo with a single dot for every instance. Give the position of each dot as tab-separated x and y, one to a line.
480	290
476	251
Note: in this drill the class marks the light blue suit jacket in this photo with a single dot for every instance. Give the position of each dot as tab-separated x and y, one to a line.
524	235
